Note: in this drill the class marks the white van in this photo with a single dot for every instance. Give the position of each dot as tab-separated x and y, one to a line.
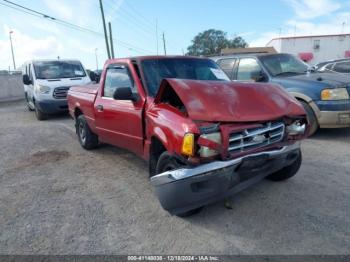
46	83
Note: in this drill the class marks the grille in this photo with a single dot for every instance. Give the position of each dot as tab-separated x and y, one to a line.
60	92
248	139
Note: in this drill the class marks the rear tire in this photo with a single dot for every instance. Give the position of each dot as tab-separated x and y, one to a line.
311	118
167	162
87	138
39	114
287	172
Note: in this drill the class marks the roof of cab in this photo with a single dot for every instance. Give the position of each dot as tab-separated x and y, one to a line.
141	58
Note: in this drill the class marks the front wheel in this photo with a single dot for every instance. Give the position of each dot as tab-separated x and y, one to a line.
39	114
87	138
311	117
286	172
167	162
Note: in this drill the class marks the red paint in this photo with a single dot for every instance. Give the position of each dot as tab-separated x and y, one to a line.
347	53
132	125
306	56
221	101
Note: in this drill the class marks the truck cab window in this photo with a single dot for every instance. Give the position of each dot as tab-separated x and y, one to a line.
117	78
248	69
227	66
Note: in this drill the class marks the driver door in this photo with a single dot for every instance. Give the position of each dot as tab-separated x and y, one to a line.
119	122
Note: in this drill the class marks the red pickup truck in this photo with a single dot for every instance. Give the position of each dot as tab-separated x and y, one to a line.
203	136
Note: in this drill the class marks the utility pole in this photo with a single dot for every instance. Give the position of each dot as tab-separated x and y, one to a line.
13	55
96	58
111	39
105	30
342	27
164	44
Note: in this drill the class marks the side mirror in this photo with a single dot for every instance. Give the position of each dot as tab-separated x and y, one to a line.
124	93
259	77
93	76
26	80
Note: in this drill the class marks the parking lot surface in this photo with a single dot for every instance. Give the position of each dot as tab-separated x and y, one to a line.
57	198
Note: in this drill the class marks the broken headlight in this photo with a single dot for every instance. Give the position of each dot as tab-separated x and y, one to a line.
298	127
214	139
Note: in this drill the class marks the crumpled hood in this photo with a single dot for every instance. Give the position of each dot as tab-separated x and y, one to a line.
216	101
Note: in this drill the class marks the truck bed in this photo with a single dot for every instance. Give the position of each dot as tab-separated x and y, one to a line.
83	97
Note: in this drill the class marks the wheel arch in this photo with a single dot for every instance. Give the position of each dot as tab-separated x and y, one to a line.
77	112
304	98
157	147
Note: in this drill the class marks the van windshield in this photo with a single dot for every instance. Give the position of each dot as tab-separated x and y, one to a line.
155	70
58	69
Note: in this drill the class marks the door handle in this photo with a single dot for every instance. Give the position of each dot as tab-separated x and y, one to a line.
99	107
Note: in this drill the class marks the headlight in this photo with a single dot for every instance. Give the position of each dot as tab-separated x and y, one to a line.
296	128
334	94
43	89
206	151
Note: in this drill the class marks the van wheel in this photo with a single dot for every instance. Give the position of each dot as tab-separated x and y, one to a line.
87	138
39	114
287	172
167	162
311	118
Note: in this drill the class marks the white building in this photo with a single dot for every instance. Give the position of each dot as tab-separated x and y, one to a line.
314	49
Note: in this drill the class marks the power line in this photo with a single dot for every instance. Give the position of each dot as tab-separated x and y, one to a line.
131	22
152	23
35	13
145	24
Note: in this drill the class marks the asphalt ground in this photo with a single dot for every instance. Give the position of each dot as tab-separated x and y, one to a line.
57	198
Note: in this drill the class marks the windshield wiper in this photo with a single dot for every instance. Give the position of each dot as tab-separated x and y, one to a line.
288	73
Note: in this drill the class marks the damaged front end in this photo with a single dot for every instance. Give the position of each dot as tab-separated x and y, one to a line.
228	158
224	157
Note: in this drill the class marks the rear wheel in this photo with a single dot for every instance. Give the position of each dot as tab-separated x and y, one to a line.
167	162
311	117
87	138
287	172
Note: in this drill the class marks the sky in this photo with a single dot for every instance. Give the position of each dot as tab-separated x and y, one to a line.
138	25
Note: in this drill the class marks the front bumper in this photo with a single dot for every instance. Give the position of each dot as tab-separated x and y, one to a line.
333	114
52	106
185	189
334	119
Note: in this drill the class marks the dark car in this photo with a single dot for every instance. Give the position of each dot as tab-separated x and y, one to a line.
335	66
325	96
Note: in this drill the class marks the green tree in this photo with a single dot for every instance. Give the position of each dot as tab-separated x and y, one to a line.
210	42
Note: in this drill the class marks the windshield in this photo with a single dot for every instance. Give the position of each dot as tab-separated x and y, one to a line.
283	64
58	69
155	70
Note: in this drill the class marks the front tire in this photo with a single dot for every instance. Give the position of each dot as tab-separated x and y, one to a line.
311	118
288	171
39	114
167	162
87	138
